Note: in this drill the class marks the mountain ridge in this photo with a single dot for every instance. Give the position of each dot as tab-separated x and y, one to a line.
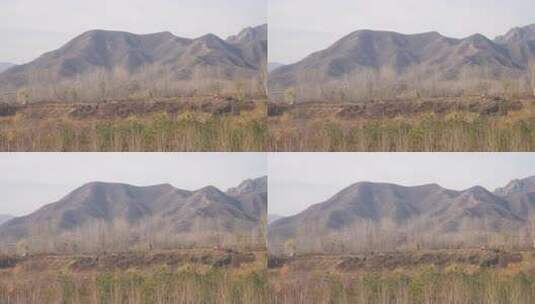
4	218
395	58
172	215
385	216
138	62
4	66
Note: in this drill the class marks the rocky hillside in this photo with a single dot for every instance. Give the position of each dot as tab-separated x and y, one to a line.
4	66
368	58
373	216
4	218
121	216
124	63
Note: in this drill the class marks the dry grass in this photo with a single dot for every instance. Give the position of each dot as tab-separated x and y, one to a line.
448	284
193	282
56	131
458	131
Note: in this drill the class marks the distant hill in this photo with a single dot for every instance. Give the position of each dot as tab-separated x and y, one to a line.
272	66
5	65
258	185
526	185
108	216
4	218
367	64
253	196
273	218
100	64
373	216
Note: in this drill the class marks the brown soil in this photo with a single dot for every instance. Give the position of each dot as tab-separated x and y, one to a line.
8	261
122	109
124	261
8	109
125	109
399	260
129	260
486	106
440	259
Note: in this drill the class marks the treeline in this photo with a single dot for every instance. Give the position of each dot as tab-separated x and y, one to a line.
385	236
146	83
371	84
101	236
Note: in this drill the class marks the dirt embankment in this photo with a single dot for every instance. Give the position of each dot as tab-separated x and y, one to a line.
7	109
123	109
485	106
392	261
124	261
129	260
8	261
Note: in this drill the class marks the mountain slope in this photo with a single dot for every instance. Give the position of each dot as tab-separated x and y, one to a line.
253	195
4	218
372	216
366	56
161	215
272	66
142	62
273	218
5	65
252	43
520	194
518	34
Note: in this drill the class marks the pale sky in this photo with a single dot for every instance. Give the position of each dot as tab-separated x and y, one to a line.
300	27
298	180
31	180
29	28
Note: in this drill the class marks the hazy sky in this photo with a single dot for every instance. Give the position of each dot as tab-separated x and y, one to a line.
299	27
30	27
298	180
31	180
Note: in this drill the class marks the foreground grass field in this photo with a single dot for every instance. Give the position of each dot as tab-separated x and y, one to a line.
498	126
138	127
202	277
428	278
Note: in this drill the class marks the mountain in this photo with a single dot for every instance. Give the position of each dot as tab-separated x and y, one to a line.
520	194
120	216
130	62
375	216
252	43
393	59
525	185
5	65
518	34
250	186
4	218
253	195
272	66
273	218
